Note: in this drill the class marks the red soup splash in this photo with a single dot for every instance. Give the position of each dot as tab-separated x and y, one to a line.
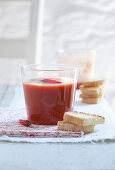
47	100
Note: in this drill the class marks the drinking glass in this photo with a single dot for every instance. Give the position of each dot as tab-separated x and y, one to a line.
83	58
49	91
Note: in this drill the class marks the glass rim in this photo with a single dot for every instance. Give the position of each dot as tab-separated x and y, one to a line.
33	67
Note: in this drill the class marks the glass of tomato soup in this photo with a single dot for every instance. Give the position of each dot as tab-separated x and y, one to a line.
49	91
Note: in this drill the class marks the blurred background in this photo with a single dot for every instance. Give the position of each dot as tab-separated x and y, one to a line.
67	24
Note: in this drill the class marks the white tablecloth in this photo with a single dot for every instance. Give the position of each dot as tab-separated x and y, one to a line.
101	133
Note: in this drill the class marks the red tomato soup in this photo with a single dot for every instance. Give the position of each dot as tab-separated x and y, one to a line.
46	101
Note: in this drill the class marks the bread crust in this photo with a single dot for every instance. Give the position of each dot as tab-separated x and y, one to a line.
74	128
91	100
94	83
93	91
92	120
84	96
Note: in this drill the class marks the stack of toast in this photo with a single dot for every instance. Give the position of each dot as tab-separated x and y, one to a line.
78	121
92	91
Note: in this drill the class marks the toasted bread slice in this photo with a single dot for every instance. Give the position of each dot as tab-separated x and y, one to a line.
82	119
84	96
91	100
94	83
92	91
74	128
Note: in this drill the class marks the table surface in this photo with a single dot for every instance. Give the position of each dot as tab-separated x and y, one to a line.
65	156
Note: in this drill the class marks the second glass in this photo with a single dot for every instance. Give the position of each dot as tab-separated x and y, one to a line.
85	59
